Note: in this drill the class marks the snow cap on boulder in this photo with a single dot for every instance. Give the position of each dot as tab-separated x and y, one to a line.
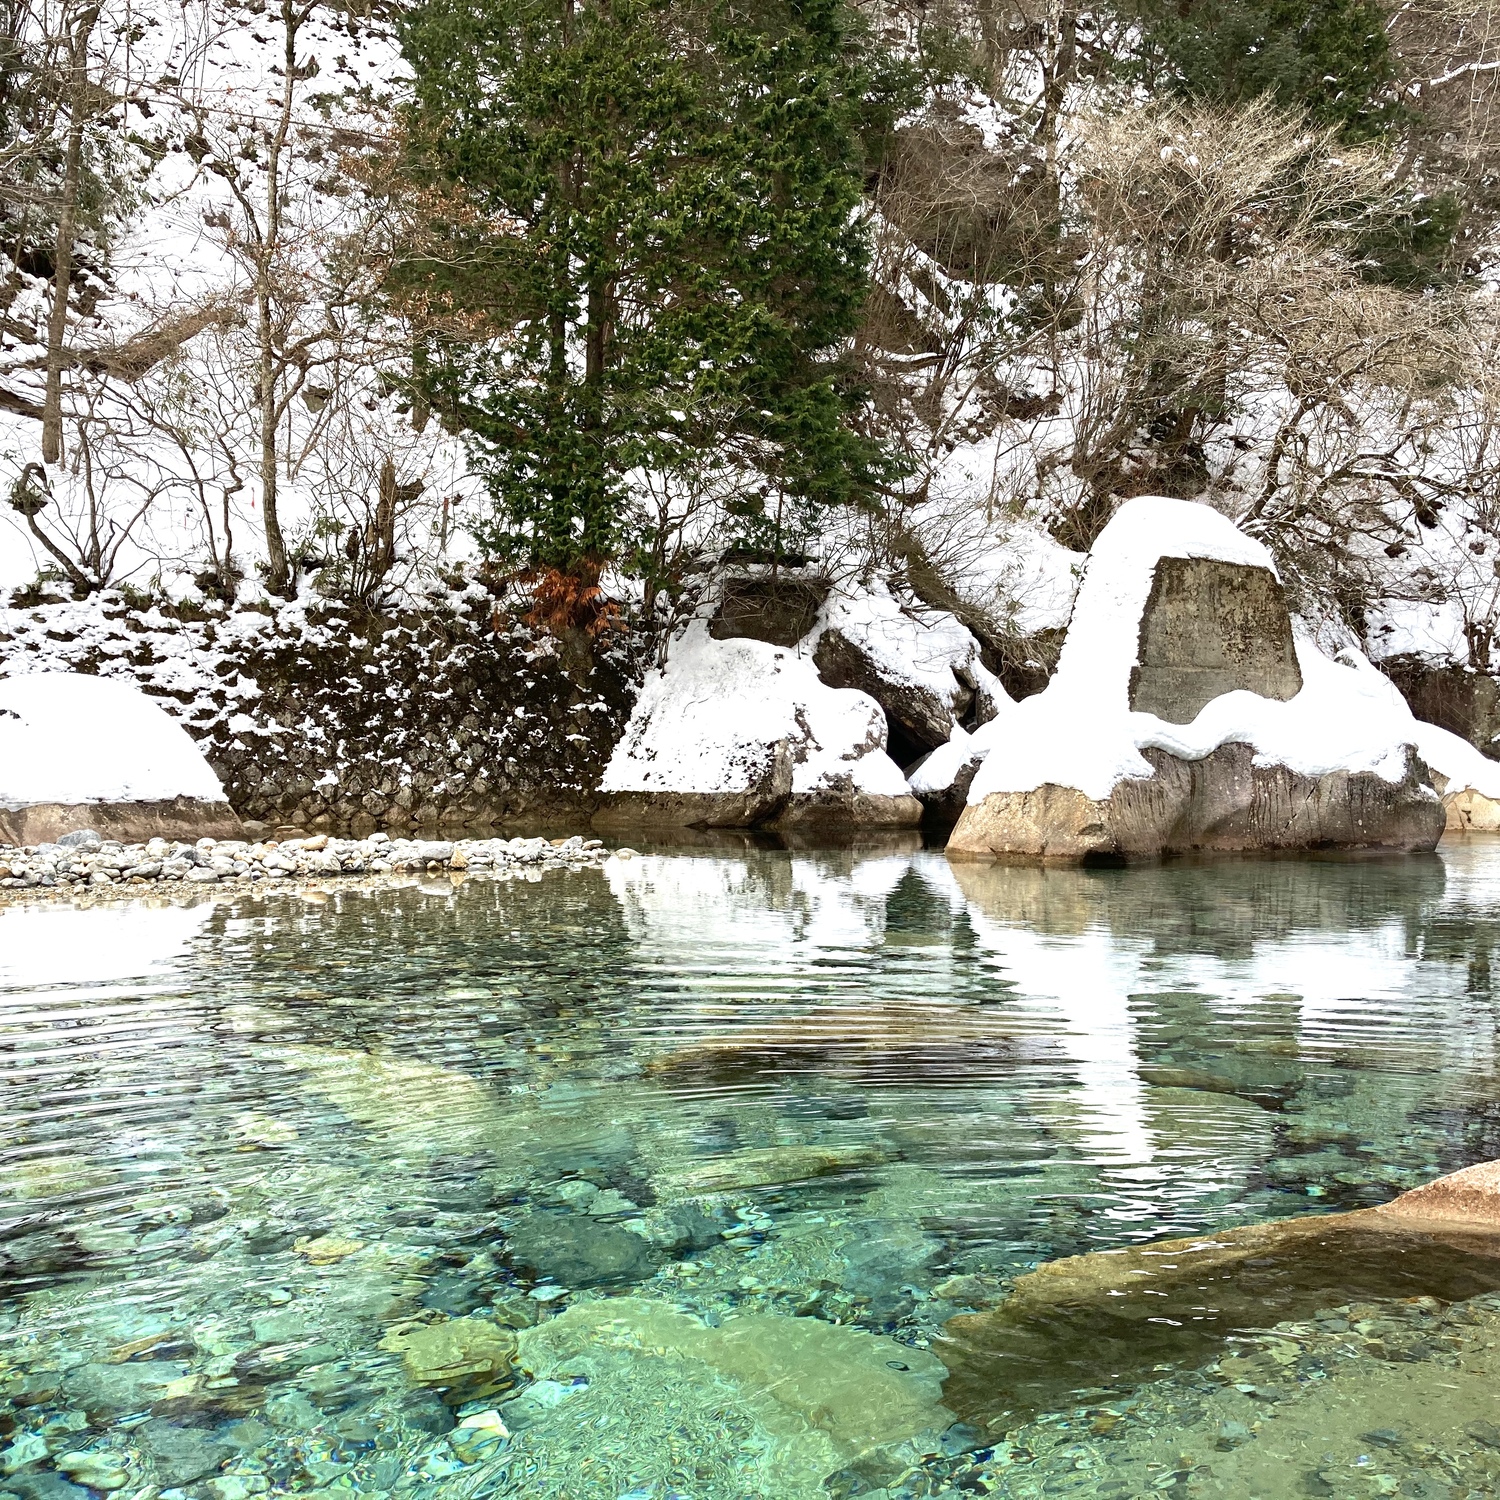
81	751
739	732
1178	692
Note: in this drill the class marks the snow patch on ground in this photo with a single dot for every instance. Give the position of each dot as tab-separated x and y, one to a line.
69	738
709	720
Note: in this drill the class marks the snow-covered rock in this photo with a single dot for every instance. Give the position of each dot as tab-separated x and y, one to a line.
921	665
1276	754
740	733
88	752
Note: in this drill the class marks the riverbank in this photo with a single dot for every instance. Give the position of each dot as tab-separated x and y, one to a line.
88	863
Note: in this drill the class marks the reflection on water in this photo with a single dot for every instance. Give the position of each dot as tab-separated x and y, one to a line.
666	1179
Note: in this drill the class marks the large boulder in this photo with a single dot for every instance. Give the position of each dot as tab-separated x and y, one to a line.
90	752
740	733
1187	714
1097	1319
921	665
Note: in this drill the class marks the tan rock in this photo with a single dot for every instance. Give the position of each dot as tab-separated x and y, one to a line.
1089	1320
1222	803
185	818
1469	811
445	1354
327	1249
1470	1197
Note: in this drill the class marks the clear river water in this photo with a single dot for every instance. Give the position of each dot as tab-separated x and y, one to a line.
709	1175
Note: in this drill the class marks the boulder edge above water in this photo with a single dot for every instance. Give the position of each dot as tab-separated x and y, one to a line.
1189	712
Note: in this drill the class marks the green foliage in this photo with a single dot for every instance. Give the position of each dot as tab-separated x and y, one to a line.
1329	58
647	250
1414	248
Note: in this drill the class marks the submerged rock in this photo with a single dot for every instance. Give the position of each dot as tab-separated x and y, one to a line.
913	1040
451	1353
1113	1316
580	1251
182	1454
860	1391
768	1166
107	1391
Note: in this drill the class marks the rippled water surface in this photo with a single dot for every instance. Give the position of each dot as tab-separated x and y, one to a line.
709	1174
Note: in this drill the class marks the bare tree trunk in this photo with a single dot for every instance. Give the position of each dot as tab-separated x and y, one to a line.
278	575
62	260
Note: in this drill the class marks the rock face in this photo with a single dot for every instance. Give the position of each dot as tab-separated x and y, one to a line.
1187	715
1470	811
778	610
1221	803
1208	628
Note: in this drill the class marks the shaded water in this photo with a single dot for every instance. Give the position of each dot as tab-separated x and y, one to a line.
683	1166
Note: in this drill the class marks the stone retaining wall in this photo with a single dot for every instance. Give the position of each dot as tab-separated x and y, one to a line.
318	718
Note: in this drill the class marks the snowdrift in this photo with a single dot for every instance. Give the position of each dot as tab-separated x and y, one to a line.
89	752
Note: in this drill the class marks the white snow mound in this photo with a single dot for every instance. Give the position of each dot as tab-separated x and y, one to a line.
1080	732
709	719
69	738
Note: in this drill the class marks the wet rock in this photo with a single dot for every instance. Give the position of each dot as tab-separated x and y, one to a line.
291	1411
451	1293
539	1398
98	1470
1111	1316
921	1040
581	1252
451	1353
182	1454
425	1412
685	1227
1469	1197
769	1166
45	1486
861	1391
106	1391
248	1434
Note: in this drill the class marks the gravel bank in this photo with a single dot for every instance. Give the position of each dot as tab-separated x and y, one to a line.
85	861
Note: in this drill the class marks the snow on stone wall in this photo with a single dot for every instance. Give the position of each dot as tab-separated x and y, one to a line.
311	716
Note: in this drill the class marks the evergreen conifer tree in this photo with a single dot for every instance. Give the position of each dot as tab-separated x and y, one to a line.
657	255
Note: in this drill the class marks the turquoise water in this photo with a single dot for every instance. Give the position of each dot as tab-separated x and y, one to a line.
669	1180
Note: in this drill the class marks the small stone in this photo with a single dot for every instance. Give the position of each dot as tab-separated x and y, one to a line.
1484	1431
327	1249
30	1448
99	1471
182	1454
581	1252
445	1354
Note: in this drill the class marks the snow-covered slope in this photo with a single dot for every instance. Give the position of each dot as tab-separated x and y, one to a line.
71	739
